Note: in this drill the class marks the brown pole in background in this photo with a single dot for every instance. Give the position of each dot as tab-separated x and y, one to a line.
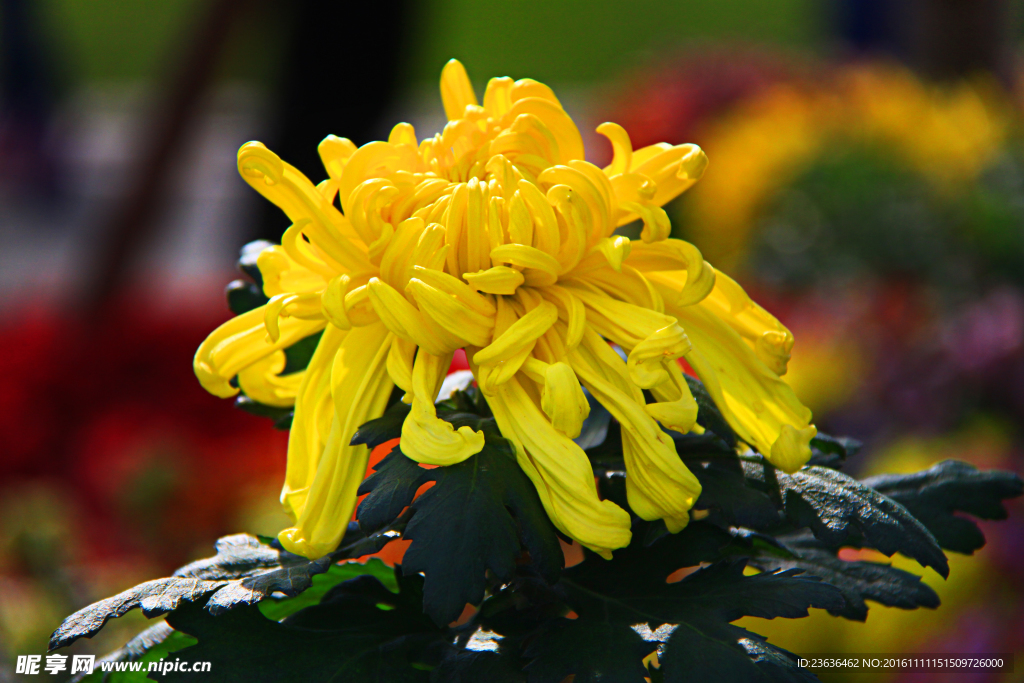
132	222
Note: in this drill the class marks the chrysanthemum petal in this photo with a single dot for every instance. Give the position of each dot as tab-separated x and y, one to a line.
335	153
286	187
658	484
522	332
769	338
542	268
675	408
498	96
496	280
360	387
282	274
570	143
452	314
425	437
561	472
756	403
571	310
562	397
262	381
311	424
622	147
457	288
456	90
406	321
400	364
240	342
649	360
679	264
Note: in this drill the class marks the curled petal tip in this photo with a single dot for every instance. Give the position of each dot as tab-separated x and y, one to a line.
693	165
792	449
212	382
256	162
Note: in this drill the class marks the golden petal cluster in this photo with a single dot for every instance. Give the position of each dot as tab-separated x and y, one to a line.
495	236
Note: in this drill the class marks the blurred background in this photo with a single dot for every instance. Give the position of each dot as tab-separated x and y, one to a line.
866	185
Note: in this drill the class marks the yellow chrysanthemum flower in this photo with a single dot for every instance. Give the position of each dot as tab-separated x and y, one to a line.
495	236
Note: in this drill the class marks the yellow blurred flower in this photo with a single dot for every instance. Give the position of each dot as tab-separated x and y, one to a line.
948	135
496	236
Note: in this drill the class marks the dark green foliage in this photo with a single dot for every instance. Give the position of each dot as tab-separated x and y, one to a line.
282	417
842	511
479	516
243	296
360	631
592	650
730	499
244	571
708	415
691	616
297	355
933	496
478	666
831	451
384	428
858	580
479	535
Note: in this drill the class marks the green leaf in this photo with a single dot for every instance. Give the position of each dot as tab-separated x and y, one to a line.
384	428
719	592
479	666
591	650
243	296
843	511
479	516
244	571
151	645
630	593
730	498
298	355
697	610
705	647
360	631
278	608
281	416
832	451
389	490
934	495
858	580
240	563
